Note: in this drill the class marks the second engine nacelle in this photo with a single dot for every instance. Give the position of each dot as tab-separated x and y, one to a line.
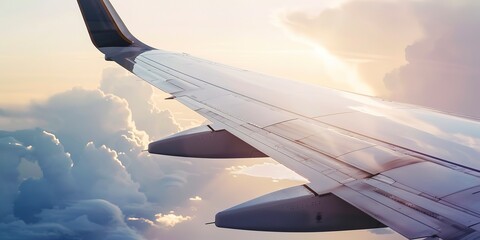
204	142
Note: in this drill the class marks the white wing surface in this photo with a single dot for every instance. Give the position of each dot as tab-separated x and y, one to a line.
370	163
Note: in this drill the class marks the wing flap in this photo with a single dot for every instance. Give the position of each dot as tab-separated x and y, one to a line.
469	200
410	214
451	181
401	223
378	159
434	207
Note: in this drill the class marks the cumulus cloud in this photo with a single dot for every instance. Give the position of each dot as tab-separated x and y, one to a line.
442	70
79	116
352	30
141	100
165	221
96	174
51	207
44	148
92	219
101	175
196	198
367	37
170	219
84	171
21	230
98	219
421	52
11	152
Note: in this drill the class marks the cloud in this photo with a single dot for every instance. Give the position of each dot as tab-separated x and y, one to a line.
51	207
97	219
165	221
421	52
170	220
92	219
442	67
141	100
196	198
21	230
82	155
367	37
79	116
11	152
352	30
100	174
44	149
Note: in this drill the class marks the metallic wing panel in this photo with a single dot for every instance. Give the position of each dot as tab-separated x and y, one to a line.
469	200
413	215
449	139
451	181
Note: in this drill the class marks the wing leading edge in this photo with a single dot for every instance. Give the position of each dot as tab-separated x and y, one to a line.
365	158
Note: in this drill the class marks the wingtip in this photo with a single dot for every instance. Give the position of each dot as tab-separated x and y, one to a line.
105	27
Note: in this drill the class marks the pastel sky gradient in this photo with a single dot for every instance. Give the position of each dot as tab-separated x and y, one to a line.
46	34
72	124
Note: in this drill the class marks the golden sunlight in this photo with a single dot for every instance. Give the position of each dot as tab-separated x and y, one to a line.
342	73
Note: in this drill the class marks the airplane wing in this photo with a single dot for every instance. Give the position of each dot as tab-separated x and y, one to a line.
370	163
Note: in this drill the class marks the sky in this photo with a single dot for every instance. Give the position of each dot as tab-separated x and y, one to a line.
73	127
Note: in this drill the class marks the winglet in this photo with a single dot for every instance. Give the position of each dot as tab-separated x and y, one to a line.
105	27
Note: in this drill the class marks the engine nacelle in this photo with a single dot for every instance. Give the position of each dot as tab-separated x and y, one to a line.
296	209
204	142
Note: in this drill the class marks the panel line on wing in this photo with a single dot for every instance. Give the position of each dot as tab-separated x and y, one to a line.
447	222
212	85
278	147
314	157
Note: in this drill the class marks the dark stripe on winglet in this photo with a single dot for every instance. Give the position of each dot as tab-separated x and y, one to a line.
106	29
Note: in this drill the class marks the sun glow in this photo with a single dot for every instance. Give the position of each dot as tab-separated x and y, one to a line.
342	73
